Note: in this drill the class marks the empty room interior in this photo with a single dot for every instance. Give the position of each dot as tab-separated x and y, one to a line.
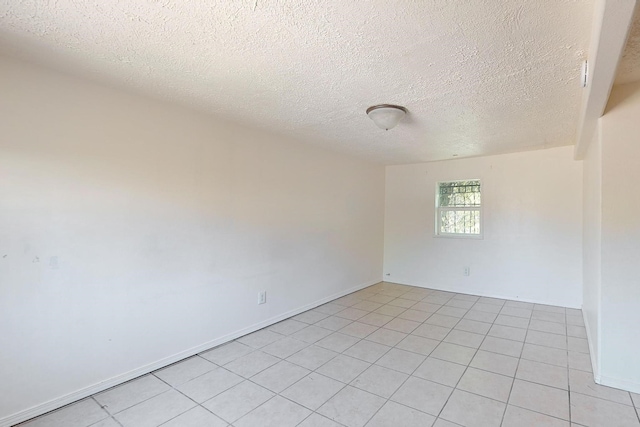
280	213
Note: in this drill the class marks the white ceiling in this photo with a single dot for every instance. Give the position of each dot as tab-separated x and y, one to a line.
629	68
478	77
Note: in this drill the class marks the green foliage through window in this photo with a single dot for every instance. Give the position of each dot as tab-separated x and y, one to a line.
458	204
459	194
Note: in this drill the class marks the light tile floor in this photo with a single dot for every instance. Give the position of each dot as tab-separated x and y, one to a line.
386	356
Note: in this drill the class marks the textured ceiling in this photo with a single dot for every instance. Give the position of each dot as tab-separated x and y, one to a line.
629	68
478	77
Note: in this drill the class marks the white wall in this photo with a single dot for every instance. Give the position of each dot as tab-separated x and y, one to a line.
592	245
532	245
164	224
620	303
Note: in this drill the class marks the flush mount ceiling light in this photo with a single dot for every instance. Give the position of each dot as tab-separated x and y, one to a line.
386	116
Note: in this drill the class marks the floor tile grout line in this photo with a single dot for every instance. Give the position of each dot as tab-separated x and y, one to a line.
90	397
137	403
109	415
243	380
396	390
445	360
314	412
275	394
380	356
370	364
541	413
569	380
451	329
455	387
344	385
259	406
197	404
519	379
467	367
568	383
600	398
311	371
360	339
515	374
635	407
216	366
524	342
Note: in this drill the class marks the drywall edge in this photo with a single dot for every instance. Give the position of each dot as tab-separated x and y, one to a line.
594	360
61	401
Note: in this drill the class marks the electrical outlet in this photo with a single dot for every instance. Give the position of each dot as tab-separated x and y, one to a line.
262	298
467	271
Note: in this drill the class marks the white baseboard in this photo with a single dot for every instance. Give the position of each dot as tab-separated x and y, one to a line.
480	293
605	380
625	385
61	401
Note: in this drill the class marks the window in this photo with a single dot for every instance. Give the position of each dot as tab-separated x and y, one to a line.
459	208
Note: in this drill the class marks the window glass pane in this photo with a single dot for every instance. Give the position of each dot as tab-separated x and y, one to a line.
459	221
459	194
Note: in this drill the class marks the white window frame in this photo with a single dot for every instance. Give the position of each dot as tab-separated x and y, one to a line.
439	209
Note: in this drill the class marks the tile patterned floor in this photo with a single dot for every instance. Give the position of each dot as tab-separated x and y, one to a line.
386	356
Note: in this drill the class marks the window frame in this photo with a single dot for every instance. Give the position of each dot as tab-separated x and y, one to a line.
438	215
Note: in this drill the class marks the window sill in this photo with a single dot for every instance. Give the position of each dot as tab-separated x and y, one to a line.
460	236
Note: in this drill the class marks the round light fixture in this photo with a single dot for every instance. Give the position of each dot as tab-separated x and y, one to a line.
386	116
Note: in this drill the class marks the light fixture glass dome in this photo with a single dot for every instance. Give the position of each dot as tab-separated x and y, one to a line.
386	116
